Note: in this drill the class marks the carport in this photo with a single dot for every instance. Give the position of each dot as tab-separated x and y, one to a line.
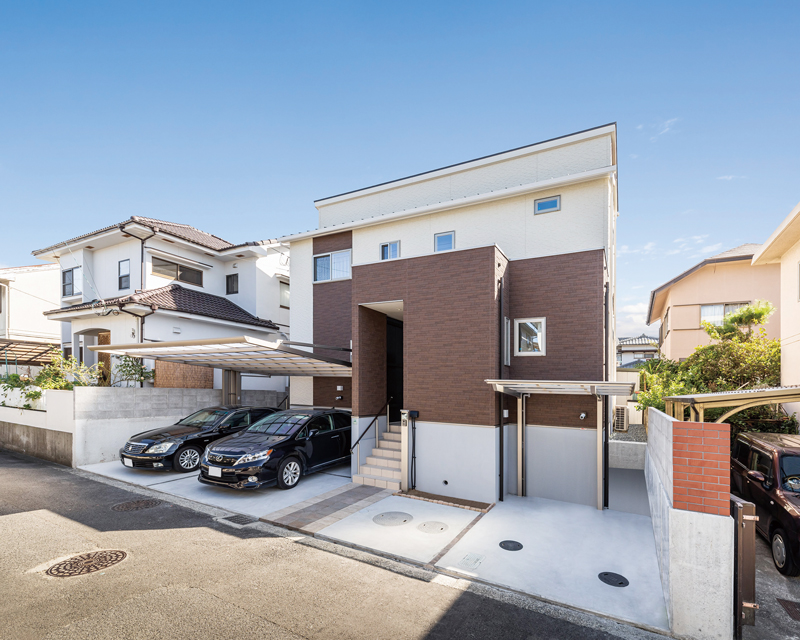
237	355
26	353
737	401
523	389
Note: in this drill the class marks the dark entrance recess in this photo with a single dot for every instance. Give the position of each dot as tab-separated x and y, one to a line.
394	366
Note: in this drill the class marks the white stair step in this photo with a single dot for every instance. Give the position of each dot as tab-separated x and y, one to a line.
394	428
377	481
386	453
379	472
391	436
389	444
378	461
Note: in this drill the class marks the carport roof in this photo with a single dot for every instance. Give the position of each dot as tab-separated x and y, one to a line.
568	387
243	354
26	353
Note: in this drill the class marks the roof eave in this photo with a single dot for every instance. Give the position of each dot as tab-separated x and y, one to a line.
780	240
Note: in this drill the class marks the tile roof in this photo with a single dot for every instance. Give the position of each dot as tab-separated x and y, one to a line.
183	231
642	339
174	297
742	251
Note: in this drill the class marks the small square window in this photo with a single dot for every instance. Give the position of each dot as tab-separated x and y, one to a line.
124	274
546	205
444	241
529	337
232	284
390	250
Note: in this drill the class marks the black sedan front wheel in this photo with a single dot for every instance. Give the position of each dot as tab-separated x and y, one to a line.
186	459
289	472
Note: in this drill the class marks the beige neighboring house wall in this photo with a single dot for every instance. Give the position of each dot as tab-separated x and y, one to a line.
729	278
782	250
25	294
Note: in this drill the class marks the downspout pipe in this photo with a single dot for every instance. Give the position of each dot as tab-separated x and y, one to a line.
141	259
502	397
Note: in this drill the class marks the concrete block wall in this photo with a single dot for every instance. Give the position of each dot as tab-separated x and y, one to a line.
701	456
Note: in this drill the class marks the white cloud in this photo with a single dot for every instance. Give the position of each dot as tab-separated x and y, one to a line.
644	250
728	178
639	307
632	320
663	128
640	127
711	248
634	156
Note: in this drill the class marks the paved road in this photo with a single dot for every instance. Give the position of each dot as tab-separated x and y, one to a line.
187	575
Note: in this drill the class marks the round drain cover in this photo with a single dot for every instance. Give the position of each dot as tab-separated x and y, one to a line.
433	527
510	545
86	563
392	518
136	505
613	579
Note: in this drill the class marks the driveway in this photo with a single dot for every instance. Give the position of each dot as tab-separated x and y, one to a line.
772	620
191	574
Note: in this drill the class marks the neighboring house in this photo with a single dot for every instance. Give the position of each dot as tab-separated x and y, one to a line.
637	350
25	334
146	280
497	268
707	292
782	251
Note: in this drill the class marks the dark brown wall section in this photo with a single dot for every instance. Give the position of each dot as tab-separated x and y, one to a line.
369	377
333	322
568	291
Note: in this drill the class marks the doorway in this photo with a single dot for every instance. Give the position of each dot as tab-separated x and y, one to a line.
394	366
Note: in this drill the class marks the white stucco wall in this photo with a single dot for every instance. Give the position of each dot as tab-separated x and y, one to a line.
302	306
25	294
790	321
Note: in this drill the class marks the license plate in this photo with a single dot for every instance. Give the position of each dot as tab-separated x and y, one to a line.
214	472
127	462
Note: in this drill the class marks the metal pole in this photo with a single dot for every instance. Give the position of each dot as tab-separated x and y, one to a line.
599	411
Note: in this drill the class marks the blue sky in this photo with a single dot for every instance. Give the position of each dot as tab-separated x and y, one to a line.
235	116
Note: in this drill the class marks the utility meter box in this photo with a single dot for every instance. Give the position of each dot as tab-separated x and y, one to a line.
404	417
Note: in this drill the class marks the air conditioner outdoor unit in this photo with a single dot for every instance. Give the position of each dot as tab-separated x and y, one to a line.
620	418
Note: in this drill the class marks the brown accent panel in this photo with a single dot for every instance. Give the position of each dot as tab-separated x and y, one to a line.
450	334
333	318
567	290
183	376
334	242
104	359
561	411
369	377
325	392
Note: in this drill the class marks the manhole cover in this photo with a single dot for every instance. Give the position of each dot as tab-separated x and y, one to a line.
510	545
433	527
86	563
392	518
471	561
241	519
792	608
136	505
613	579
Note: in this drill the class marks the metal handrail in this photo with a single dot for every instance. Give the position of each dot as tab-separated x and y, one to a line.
377	415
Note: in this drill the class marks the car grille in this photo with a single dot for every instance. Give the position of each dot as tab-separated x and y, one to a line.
144	464
134	447
219	458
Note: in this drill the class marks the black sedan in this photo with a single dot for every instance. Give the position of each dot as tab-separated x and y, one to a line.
181	445
279	448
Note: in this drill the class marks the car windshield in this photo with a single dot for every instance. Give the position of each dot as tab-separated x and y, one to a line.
790	473
203	418
279	424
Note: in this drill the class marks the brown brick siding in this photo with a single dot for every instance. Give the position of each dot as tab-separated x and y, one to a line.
701	458
369	377
325	392
335	242
183	376
567	290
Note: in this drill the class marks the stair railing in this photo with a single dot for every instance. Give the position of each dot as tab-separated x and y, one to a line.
374	421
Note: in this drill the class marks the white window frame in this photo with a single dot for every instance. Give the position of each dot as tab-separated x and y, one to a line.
517	322
507	342
444	233
330	254
388	244
121	275
536	205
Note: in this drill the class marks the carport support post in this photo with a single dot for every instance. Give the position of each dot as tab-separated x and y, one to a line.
521	444
600	444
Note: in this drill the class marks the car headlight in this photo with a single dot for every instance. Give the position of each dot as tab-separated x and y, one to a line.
253	457
161	448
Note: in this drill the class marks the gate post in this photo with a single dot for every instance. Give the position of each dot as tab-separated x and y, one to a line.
744	564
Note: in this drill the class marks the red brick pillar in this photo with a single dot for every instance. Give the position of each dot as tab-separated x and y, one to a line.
701	458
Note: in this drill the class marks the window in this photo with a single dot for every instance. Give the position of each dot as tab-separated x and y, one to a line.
507	342
238	419
444	241
390	250
70	282
124	274
741	452
177	272
715	313
285	295
529	336
762	462
546	205
332	266
322	423
231	284
666	323
341	421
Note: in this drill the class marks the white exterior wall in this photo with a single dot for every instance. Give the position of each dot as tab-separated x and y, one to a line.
302	305
543	162
105	269
213	274
790	321
510	224
25	294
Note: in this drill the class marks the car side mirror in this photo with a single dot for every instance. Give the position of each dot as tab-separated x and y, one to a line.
756	475
312	432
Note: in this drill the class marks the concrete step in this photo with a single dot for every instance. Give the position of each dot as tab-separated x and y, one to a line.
379	472
378	452
389	444
379	461
377	481
391	436
394	428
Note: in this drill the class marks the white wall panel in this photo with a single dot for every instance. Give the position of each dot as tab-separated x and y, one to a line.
301	313
561	464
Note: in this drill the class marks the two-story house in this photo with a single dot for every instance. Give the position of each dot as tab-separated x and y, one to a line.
782	251
25	333
707	292
451	285
146	280
636	350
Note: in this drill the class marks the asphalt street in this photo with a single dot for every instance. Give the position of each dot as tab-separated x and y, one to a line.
188	574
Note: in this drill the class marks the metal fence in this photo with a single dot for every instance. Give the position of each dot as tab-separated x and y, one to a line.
744	566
